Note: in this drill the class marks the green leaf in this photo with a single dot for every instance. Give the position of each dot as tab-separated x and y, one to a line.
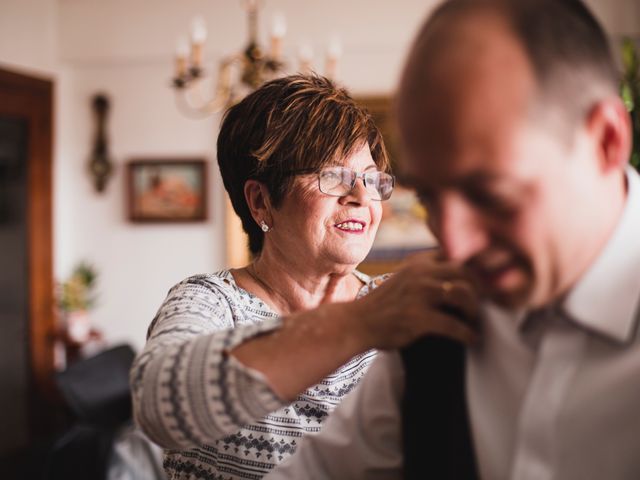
76	293
630	93
627	97
629	56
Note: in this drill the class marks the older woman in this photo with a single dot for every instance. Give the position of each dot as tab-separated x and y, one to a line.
240	364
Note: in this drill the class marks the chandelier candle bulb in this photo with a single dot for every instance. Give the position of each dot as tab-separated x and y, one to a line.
198	30
331	67
305	55
334	52
198	37
182	52
196	56
278	31
276	47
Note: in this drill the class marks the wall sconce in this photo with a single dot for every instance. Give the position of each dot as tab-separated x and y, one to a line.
100	165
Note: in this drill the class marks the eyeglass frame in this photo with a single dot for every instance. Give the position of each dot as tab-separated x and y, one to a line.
306	171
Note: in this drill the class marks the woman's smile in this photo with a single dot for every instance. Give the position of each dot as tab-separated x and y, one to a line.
352	225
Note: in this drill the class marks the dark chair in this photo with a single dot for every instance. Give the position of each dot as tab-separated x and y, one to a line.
96	392
96	389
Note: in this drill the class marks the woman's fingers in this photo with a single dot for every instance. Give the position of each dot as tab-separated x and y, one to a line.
447	325
428	296
460	296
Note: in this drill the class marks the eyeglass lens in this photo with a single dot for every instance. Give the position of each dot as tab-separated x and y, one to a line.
339	181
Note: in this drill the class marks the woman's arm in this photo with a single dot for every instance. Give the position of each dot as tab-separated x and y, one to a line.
186	389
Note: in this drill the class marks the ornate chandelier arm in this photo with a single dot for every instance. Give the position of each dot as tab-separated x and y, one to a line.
238	74
194	103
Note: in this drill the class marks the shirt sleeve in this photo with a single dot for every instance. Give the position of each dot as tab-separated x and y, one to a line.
366	425
186	389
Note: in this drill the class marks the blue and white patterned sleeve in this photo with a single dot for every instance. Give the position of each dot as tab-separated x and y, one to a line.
186	389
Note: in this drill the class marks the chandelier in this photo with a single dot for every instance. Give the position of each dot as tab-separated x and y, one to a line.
241	72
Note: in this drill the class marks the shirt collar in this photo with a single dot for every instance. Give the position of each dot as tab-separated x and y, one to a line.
605	299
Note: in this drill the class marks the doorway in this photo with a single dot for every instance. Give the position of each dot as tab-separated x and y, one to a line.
26	269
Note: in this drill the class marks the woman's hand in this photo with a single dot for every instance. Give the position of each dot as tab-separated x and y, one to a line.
427	296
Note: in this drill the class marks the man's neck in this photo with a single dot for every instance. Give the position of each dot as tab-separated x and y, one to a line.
606	215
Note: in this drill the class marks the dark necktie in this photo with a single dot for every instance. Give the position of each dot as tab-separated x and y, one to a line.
436	429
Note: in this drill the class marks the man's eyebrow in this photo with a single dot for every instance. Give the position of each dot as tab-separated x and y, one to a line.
468	180
478	177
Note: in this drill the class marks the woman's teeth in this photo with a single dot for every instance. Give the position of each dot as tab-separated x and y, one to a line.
351	226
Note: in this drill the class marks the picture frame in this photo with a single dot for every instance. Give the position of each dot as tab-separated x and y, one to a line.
167	190
380	109
402	231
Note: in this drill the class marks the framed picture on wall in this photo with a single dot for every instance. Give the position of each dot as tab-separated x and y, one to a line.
167	190
403	229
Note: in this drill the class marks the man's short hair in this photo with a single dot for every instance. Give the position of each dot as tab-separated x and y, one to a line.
291	123
568	49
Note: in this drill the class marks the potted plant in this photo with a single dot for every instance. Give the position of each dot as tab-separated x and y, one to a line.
76	297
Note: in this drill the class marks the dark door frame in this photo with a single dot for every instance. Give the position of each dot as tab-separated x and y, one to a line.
31	98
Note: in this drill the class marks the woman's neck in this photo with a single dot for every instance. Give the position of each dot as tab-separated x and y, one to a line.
289	286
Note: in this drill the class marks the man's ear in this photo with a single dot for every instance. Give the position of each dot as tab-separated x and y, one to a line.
609	126
257	197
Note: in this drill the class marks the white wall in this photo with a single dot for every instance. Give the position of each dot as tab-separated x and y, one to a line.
124	48
28	35
137	263
619	17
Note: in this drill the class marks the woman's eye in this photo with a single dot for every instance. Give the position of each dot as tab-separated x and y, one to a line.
331	179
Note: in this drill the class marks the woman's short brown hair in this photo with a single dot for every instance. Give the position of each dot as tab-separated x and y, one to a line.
291	123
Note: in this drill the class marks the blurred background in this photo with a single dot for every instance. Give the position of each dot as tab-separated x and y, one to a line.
77	240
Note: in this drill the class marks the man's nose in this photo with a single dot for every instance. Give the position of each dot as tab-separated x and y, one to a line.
459	227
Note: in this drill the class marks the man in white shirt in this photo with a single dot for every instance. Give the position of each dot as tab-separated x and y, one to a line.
517	142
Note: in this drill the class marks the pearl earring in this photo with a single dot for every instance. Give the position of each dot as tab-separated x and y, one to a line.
265	228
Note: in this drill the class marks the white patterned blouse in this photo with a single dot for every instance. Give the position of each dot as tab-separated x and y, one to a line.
216	418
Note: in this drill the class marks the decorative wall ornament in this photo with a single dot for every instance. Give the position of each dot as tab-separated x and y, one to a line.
100	165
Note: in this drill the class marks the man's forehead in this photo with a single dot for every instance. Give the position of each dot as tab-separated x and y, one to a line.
463	104
458	59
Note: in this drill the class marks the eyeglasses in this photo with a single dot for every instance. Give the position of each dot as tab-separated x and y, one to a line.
340	181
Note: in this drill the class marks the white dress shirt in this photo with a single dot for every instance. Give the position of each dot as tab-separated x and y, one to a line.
553	394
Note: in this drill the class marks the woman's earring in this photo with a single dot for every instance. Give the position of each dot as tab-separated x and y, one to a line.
265	228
